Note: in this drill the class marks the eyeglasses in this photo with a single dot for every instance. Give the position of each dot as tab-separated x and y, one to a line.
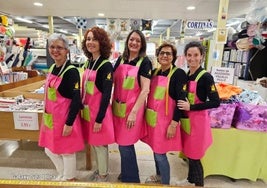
167	53
58	48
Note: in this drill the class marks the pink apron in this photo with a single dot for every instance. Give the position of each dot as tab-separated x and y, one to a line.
126	92
159	114
196	137
91	104
54	118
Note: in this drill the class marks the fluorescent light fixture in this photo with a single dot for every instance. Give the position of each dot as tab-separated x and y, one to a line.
191	8
23	20
63	31
38	4
45	26
101	14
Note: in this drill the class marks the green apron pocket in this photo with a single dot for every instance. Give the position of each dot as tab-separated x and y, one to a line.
85	113
159	93
90	87
191	98
151	117
48	120
119	108
52	94
128	82
185	123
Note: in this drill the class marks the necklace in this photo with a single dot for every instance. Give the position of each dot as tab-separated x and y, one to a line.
87	76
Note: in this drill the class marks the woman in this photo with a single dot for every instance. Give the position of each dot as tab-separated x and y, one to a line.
131	86
96	91
162	114
61	133
202	95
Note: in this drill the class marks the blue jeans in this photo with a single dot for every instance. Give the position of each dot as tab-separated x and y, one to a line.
129	167
162	167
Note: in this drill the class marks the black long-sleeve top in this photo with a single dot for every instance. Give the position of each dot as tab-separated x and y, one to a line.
70	88
176	92
104	81
206	91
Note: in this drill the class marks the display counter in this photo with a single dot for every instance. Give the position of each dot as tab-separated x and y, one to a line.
14	85
238	154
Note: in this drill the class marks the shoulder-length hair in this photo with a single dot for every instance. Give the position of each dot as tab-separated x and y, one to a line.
102	37
142	52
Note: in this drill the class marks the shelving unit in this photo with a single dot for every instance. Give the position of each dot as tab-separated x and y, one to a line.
237	59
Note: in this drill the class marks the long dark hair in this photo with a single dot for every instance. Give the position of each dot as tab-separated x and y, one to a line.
142	52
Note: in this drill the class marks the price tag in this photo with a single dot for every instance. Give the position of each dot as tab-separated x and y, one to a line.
26	120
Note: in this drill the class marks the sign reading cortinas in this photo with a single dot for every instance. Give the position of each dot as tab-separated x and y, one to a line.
199	25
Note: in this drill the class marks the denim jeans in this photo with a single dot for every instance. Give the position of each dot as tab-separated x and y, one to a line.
162	167
129	167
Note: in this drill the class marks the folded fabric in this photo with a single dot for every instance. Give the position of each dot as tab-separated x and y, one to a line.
250	117
250	97
222	116
225	90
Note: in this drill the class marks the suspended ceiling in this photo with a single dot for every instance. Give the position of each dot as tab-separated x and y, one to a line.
165	13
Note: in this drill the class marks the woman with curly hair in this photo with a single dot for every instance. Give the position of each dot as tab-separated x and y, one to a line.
96	92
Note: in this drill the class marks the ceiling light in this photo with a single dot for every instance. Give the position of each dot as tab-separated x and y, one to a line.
45	26
190	8
23	20
38	4
101	14
63	31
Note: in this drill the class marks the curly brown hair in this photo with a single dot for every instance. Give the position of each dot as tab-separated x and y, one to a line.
102	37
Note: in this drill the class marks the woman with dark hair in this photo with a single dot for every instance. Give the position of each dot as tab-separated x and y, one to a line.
202	95
132	73
60	132
97	83
162	114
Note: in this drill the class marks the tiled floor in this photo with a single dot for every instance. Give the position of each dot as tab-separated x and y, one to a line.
25	160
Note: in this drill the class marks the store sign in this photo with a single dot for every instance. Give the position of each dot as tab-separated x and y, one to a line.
26	121
199	25
223	74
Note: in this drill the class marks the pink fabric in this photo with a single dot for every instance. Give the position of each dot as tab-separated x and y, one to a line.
123	135
222	116
251	117
106	135
157	136
196	144
52	138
